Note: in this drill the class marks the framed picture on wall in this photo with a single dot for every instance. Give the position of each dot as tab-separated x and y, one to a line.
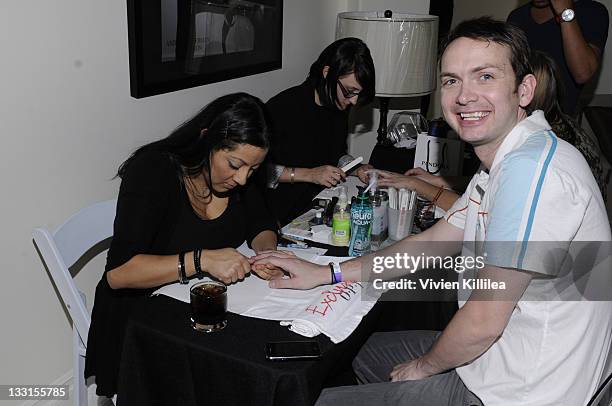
177	44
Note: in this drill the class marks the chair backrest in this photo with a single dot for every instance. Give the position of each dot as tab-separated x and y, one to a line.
603	393
62	248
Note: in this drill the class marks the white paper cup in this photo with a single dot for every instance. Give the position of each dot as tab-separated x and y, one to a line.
397	231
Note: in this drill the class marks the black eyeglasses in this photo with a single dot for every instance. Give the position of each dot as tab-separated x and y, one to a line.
346	93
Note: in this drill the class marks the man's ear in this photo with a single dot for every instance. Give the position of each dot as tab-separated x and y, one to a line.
526	90
325	71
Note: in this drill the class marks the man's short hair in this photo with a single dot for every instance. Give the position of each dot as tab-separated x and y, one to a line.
502	33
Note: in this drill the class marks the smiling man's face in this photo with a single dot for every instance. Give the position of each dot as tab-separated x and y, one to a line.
480	100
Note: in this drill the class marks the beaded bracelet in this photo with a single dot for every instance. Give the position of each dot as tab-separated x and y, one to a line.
181	269
197	256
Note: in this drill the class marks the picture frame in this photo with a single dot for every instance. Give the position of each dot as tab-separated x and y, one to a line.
179	44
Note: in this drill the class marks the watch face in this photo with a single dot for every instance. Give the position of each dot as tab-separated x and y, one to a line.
567	15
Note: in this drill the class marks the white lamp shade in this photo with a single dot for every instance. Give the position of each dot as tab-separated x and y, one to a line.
404	49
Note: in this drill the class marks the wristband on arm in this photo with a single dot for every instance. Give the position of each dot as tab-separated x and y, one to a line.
336	272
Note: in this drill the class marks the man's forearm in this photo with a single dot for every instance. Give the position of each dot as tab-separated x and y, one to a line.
440	240
581	58
479	323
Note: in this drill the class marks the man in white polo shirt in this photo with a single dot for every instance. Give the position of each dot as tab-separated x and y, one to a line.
533	213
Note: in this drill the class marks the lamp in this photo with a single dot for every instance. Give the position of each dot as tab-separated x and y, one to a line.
404	49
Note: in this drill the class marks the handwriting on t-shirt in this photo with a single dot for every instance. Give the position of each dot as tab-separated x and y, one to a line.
339	293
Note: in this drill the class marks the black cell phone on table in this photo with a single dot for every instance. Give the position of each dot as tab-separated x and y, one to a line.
292	350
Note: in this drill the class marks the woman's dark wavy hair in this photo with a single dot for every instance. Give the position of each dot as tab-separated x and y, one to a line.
502	33
229	121
344	56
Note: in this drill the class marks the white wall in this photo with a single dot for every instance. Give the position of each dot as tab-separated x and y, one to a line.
66	122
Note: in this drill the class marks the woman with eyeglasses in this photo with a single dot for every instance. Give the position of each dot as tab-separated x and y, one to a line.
311	126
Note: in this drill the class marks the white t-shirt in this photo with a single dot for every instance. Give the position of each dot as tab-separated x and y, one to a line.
539	209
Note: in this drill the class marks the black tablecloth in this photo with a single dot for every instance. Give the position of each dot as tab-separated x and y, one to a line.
165	362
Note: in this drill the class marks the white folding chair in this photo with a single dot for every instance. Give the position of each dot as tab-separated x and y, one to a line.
603	396
60	250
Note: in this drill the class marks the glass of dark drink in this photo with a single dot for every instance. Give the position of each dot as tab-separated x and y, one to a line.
208	306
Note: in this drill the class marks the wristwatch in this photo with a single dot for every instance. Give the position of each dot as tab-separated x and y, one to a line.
568	15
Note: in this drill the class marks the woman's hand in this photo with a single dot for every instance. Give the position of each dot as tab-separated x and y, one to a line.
326	175
303	274
397	180
422	174
226	264
362	172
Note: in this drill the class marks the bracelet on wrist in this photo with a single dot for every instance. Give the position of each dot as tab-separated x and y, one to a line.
336	272
437	196
181	269
292	175
333	277
197	263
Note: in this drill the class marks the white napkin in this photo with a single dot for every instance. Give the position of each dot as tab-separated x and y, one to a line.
335	310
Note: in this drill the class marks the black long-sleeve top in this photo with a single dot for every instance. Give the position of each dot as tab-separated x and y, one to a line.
306	135
154	216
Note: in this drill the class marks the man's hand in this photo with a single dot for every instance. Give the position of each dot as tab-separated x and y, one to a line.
302	274
410	371
267	272
559	5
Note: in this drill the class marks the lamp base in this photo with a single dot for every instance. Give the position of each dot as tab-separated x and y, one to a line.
382	138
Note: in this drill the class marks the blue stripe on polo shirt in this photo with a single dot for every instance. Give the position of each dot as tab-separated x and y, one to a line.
519	171
536	196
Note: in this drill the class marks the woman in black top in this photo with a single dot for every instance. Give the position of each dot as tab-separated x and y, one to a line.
310	127
185	193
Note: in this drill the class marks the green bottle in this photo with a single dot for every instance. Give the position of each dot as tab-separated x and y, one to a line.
341	221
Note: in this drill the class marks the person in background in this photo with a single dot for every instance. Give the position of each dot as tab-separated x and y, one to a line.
184	206
547	97
572	33
520	343
311	127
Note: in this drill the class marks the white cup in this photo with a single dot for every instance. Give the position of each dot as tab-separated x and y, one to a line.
399	231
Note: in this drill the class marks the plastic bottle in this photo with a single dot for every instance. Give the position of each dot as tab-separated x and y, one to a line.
361	225
341	221
380	206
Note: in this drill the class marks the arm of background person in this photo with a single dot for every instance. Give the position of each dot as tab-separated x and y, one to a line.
457	183
473	329
582	58
444	198
326	175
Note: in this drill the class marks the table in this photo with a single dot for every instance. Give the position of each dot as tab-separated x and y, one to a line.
165	362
